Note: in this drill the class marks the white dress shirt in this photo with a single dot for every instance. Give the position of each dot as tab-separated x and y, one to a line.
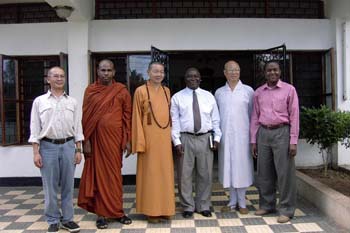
55	118
182	114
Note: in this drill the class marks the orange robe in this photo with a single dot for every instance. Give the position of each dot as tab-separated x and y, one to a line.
107	124
155	194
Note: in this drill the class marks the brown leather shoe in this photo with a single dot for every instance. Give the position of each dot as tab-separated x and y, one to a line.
226	209
283	219
261	212
243	210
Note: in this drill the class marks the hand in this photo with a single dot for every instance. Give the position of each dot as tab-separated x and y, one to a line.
254	150
87	147
77	158
179	150
215	146
37	160
292	150
127	150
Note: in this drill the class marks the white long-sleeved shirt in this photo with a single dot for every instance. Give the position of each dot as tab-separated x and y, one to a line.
182	114
55	118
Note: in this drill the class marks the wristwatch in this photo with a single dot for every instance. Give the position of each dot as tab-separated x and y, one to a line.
78	150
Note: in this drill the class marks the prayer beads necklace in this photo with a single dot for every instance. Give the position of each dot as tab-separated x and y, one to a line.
150	105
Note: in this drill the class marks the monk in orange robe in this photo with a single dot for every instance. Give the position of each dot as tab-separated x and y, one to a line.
107	126
151	140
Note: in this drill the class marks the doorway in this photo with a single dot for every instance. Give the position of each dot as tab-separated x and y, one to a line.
306	70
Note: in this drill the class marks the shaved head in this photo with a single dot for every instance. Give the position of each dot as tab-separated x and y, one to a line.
106	61
230	62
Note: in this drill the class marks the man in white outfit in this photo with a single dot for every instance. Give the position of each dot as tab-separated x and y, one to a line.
235	162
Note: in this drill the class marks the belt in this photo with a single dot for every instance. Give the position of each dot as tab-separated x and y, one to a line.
274	126
57	141
197	134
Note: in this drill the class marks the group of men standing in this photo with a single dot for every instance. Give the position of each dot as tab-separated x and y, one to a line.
239	123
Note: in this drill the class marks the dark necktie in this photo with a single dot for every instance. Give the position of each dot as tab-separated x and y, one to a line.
196	113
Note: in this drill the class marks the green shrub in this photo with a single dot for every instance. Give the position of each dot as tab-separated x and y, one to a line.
325	127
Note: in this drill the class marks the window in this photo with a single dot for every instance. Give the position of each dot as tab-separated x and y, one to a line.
141	9
21	80
28	13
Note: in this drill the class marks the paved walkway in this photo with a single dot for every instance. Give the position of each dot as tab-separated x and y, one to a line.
21	210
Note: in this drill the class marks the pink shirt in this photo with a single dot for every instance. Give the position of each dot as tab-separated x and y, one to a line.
273	106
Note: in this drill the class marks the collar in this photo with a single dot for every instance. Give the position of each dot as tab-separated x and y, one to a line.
191	90
238	86
279	85
48	94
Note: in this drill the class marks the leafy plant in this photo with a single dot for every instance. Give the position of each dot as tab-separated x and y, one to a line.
325	127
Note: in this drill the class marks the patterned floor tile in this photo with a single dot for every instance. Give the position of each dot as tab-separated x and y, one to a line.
258	229
21	211
307	227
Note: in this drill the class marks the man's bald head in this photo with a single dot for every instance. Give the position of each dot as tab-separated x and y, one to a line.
104	61
228	63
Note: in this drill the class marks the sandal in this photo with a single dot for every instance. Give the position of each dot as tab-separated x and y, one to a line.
101	223
124	220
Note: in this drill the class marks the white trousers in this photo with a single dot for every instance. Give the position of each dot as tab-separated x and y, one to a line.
237	195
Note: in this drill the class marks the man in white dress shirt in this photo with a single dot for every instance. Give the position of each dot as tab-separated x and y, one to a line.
56	135
196	120
235	102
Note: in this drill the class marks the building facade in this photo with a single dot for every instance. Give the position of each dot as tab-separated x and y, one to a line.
197	33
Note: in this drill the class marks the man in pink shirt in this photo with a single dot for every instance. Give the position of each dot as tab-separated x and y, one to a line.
274	131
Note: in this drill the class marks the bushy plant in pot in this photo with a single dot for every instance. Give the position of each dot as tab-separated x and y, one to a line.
324	127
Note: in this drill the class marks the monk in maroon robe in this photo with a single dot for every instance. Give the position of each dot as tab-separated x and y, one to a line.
107	128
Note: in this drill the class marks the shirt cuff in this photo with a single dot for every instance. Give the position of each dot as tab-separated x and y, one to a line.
217	139
33	139
177	142
79	138
253	140
293	140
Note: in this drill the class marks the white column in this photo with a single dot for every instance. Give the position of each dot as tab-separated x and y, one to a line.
78	68
78	42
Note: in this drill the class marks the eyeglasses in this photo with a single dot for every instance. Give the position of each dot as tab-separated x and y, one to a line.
232	71
57	76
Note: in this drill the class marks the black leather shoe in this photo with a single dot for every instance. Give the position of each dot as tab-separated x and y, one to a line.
187	214
206	213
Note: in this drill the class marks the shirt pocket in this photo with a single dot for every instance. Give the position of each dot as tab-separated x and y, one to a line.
69	112
279	105
206	110
45	113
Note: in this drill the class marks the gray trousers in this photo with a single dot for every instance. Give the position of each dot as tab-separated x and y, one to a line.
197	159
275	164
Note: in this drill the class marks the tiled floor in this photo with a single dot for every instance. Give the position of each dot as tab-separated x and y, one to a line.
21	210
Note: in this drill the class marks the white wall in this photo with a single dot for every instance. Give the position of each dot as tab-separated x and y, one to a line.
339	13
209	34
76	38
33	39
17	161
307	155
